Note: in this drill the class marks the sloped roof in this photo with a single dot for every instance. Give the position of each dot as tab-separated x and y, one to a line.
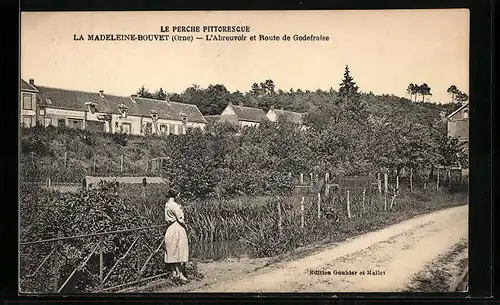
221	118
212	118
290	116
458	110
249	114
168	110
75	100
25	86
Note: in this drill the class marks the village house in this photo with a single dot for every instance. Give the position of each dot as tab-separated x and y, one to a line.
97	111
458	124
29	106
274	115
245	116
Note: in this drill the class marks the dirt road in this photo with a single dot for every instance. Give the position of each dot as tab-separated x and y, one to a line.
387	260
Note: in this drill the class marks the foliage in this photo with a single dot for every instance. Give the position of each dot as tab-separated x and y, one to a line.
143	92
457	95
46	214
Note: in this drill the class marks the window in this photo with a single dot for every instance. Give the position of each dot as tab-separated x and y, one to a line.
27	121
126	128
75	123
163	129
123	111
47	122
96	126
148	128
61	123
41	111
27	101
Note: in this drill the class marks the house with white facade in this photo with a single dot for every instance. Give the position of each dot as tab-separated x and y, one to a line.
245	116
275	115
97	111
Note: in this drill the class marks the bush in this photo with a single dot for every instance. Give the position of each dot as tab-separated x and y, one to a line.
46	214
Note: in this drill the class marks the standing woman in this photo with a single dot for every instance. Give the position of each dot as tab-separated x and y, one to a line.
176	241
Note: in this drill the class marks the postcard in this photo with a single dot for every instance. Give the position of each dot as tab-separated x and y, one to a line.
244	151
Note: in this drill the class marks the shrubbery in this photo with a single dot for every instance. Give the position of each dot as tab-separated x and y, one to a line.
47	214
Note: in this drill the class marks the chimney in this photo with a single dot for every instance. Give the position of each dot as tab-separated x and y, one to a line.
32	81
101	93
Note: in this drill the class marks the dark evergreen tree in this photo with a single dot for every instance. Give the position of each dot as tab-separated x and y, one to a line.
348	87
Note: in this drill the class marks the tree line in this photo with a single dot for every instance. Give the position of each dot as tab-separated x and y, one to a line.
213	99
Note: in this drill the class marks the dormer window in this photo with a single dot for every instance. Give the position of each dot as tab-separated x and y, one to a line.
92	107
48	101
123	111
154	115
183	117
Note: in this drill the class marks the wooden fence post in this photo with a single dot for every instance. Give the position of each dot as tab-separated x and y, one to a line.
327	190
32	160
379	183
65	159
386	181
302	213
290	176
121	163
363	202
327	177
437	180
348	206
449	177
94	163
393	198
397	182
311	177
301	178
319	205
280	229
411	179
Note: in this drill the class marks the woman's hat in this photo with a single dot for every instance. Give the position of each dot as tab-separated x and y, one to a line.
172	192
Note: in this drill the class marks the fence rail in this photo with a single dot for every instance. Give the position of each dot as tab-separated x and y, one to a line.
100	277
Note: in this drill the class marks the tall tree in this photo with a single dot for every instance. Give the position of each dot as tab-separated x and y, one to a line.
350	98
424	91
348	86
461	97
413	90
452	91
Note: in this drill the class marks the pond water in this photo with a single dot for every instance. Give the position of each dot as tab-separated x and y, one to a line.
219	250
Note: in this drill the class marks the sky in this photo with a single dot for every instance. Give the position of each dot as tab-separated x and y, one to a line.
386	50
